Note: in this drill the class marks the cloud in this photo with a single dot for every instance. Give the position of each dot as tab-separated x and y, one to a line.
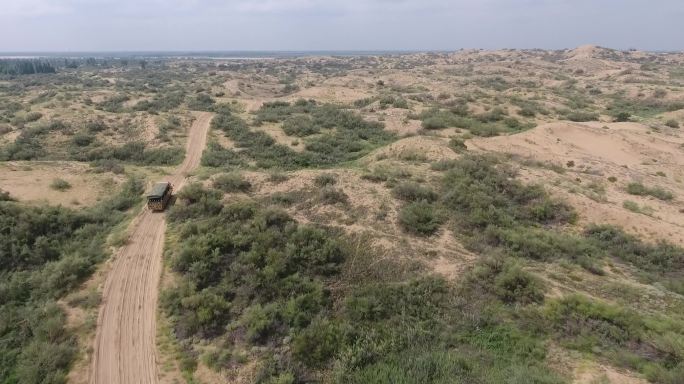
24	8
333	24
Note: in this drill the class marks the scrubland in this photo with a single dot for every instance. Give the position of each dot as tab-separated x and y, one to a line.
476	216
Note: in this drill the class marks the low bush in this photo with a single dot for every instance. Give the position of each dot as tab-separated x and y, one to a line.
231	182
201	102
300	126
672	123
113	166
457	145
622	116
506	280
420	217
581	116
492	123
166	101
32	116
5	196
215	155
196	201
661	258
642	190
411	191
325	179
113	103
331	195
585	324
482	192
625	337
443	165
60	185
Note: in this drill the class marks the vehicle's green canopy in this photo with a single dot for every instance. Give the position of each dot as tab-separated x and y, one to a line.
158	190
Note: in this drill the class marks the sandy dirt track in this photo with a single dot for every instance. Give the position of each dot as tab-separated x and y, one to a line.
125	349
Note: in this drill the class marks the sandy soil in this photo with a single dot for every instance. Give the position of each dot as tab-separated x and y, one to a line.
332	94
125	347
30	182
630	152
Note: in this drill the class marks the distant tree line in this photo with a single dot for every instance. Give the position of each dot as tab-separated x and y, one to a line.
25	67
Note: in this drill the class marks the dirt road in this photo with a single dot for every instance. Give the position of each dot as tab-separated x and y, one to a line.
125	350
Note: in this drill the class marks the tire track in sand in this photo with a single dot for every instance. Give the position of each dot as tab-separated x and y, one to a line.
125	349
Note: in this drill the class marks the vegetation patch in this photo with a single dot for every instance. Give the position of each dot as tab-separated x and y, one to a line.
642	190
348	136
46	252
254	277
231	182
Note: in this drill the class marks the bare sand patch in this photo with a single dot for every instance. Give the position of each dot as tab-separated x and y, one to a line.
30	182
332	94
594	152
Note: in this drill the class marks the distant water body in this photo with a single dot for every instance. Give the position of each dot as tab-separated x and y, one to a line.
235	55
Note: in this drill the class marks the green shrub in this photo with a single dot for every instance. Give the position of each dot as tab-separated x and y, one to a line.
581	116
644	107
420	218
482	193
95	126
543	245
215	155
32	116
135	152
201	102
527	112
5	196
300	126
436	119
352	137
631	206
506	280
330	195
197	200
82	140
672	123
258	265
411	191
641	190
60	185
513	285
622	116
113	103
325	179
259	322
443	165
317	343
585	324
662	258
457	145
231	182
216	359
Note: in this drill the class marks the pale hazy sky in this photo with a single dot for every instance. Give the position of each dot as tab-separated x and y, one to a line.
111	25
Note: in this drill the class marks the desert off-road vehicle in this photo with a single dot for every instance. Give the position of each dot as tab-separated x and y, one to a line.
159	197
